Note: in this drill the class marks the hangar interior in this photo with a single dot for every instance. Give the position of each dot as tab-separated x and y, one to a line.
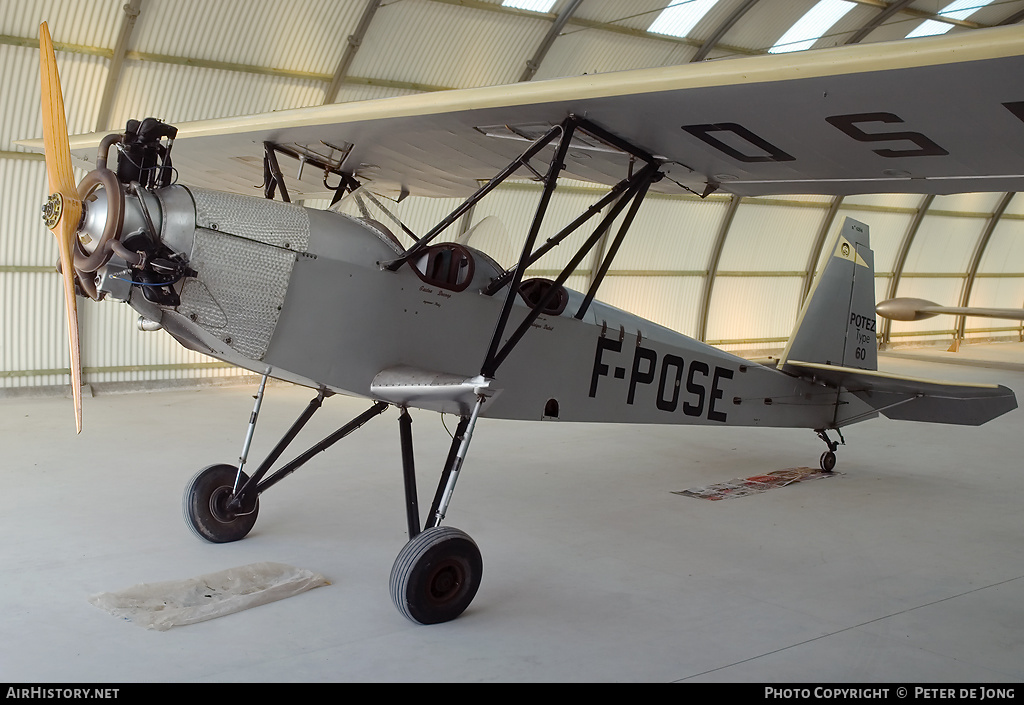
901	567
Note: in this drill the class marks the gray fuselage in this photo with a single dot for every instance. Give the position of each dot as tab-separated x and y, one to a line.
301	294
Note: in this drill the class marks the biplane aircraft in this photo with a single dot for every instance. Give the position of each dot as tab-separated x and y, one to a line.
349	300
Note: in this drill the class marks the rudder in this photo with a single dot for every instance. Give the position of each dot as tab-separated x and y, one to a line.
837	322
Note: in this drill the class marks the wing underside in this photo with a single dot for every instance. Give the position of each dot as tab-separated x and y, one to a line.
931	115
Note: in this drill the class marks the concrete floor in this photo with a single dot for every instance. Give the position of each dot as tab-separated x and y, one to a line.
905	567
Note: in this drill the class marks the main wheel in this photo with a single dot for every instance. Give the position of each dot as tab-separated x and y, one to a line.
205	505
436	575
828	461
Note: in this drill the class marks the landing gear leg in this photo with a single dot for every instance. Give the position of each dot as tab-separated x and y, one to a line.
828	458
221	502
438	572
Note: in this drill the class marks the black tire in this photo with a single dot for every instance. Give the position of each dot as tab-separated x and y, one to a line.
205	506
828	461
436	575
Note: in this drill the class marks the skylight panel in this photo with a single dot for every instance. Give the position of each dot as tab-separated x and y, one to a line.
958	10
929	28
810	28
530	5
679	18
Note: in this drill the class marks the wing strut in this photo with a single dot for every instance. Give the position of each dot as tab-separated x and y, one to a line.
634	195
630	191
522	160
272	177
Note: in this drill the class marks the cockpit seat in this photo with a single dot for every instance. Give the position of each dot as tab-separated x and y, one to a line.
447	265
534	290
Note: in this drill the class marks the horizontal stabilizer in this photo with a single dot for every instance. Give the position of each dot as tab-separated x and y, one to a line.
965	409
914	399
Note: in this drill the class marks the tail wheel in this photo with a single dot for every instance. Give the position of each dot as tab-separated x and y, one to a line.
436	575
205	505
828	461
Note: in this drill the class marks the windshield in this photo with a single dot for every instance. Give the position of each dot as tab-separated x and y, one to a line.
378	210
487	235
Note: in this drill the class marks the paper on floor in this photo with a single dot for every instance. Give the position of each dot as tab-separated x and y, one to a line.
178	602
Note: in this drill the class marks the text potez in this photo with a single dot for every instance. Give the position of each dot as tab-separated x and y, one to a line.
702	384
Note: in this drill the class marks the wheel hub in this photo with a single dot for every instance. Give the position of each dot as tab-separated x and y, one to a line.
219	502
446	581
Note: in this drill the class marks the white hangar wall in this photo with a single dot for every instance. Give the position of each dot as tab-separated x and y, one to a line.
730	271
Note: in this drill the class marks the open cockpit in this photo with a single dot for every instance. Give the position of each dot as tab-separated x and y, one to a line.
453	265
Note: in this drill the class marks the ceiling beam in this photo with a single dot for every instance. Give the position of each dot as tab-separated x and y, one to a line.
131	14
33	43
1013	19
716	36
712	271
355	40
877	21
923	14
584	24
545	46
979	251
818	245
901	261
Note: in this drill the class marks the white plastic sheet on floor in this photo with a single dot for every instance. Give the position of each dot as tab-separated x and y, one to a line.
178	602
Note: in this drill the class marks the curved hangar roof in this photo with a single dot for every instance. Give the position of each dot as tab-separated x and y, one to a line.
731	268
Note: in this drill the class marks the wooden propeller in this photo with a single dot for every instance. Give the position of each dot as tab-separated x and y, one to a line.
63	209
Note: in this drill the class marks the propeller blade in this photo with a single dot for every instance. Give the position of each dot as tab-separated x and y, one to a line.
69	226
55	130
64	208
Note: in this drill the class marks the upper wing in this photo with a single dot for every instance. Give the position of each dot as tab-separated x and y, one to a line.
932	115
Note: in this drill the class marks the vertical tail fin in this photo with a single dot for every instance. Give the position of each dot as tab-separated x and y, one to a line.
836	325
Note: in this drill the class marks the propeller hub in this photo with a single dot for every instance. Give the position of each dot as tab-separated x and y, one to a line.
52	210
